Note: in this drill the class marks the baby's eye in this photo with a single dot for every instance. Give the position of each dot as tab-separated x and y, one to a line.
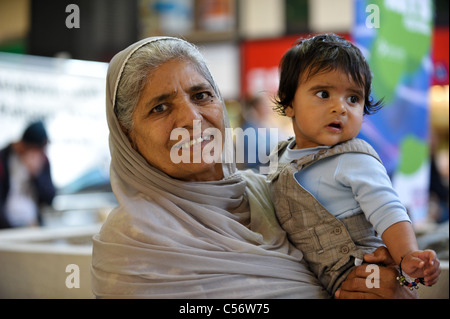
159	108
353	99
323	94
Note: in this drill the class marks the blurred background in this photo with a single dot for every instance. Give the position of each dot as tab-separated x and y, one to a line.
53	62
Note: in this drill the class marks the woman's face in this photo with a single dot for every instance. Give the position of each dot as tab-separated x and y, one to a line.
177	96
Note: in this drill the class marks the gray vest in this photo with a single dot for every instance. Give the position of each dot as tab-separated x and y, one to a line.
329	245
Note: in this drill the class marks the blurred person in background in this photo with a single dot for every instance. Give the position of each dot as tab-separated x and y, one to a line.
438	189
25	179
256	116
261	129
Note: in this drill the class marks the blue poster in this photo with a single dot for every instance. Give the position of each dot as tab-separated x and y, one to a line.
395	37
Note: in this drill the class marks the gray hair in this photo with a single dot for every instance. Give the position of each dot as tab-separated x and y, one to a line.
145	60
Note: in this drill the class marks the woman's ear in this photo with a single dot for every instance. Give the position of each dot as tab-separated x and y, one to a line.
132	140
130	136
123	128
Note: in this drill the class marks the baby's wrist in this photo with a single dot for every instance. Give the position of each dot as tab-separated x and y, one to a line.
413	284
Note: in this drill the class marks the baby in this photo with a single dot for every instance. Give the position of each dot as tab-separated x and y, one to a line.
332	194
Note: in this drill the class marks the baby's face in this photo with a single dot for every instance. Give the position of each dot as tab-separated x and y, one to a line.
327	109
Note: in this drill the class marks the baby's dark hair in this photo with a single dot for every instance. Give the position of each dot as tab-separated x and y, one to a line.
323	53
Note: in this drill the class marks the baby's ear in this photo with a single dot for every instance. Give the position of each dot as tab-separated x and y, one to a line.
289	111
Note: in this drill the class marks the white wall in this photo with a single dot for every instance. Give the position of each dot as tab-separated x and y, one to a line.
261	18
331	15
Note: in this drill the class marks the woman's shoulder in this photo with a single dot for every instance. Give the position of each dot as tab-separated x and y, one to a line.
258	186
125	221
253	179
115	223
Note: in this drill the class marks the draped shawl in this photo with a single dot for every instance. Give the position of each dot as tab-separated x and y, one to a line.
174	239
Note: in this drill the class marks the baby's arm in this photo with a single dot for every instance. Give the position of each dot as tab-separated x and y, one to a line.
401	242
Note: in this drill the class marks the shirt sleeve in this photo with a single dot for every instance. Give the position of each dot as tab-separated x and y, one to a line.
372	189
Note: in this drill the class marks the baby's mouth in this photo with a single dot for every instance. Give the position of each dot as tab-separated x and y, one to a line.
335	125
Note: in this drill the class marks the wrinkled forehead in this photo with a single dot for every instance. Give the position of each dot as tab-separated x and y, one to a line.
119	61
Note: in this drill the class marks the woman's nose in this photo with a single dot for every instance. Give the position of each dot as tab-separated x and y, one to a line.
188	112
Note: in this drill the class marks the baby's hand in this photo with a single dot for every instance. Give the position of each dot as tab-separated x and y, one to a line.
422	264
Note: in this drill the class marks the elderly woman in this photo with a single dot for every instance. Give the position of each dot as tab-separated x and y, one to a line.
196	228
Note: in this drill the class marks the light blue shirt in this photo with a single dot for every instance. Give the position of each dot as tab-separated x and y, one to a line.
348	183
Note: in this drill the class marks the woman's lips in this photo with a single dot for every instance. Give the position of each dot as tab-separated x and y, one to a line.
193	141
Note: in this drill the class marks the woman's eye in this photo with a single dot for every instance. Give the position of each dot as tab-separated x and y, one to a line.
322	94
202	96
159	108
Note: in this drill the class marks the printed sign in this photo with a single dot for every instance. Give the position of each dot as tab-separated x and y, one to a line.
395	37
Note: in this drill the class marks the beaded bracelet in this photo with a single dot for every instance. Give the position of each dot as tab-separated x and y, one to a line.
411	285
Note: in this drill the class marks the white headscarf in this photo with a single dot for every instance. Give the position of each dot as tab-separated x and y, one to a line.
174	239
